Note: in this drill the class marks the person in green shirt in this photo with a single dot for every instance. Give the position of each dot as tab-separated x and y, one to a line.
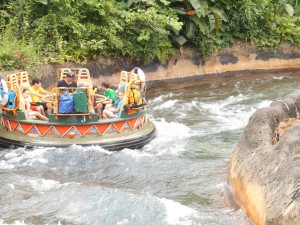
110	95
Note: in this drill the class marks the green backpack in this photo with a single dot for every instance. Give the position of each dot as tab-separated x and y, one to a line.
80	101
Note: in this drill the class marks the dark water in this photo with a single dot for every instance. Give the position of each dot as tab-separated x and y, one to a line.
180	178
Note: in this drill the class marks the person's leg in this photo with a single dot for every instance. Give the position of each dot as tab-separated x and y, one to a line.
107	114
99	110
41	117
38	115
40	109
49	108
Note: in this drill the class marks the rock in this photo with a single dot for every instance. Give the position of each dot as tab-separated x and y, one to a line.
265	177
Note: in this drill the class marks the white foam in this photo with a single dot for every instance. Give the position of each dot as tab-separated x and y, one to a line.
162	97
171	138
23	157
278	78
176	213
44	185
17	222
92	148
166	105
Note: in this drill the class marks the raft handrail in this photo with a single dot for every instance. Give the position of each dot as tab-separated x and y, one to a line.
57	91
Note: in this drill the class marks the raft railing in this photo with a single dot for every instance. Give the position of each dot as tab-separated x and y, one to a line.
56	94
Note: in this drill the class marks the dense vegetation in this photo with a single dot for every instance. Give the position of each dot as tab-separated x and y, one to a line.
53	31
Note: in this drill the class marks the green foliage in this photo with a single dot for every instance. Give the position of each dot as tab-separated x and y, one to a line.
209	44
16	53
54	31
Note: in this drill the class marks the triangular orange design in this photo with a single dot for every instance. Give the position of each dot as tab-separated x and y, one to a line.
43	128
26	127
13	125
102	127
83	129
62	130
119	125
132	122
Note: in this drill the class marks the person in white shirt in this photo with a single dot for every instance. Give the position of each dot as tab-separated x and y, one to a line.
139	72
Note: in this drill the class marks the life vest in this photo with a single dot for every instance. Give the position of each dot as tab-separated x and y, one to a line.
135	96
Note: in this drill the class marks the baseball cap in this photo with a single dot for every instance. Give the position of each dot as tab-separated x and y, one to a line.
71	74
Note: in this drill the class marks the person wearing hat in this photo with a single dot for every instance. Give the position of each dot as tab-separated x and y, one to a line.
68	82
139	72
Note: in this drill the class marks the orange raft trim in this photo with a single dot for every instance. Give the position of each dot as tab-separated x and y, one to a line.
72	131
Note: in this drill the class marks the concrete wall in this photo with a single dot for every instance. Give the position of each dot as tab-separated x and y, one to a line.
187	65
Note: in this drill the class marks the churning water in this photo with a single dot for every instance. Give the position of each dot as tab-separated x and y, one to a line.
180	178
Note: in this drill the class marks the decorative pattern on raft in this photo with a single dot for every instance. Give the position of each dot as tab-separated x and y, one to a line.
74	130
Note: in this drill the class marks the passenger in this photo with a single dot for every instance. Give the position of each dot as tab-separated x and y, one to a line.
33	107
68	82
28	111
140	73
37	92
142	77
109	93
114	111
111	96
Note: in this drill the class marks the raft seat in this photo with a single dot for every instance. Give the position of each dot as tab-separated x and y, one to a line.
12	78
124	77
62	73
23	79
84	77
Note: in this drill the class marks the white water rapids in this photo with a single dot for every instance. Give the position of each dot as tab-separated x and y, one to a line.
180	178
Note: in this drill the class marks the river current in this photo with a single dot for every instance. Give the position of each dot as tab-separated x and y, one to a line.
180	178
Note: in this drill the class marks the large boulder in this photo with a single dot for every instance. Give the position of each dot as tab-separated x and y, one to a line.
265	166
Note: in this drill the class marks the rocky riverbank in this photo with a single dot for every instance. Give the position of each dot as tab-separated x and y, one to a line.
265	166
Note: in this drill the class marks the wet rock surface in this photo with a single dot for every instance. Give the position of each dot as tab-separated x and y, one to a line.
265	174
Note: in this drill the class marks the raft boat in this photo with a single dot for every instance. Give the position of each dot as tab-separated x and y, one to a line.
132	129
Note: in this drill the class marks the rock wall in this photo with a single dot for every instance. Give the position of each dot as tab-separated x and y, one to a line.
187	66
265	177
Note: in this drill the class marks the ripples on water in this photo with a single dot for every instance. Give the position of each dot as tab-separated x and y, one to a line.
179	178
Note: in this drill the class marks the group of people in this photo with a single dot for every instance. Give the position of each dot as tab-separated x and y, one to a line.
109	108
33	104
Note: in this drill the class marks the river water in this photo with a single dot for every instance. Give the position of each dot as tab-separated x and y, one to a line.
180	178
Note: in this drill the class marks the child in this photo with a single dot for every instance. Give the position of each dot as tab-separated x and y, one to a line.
110	94
29	112
114	111
35	107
